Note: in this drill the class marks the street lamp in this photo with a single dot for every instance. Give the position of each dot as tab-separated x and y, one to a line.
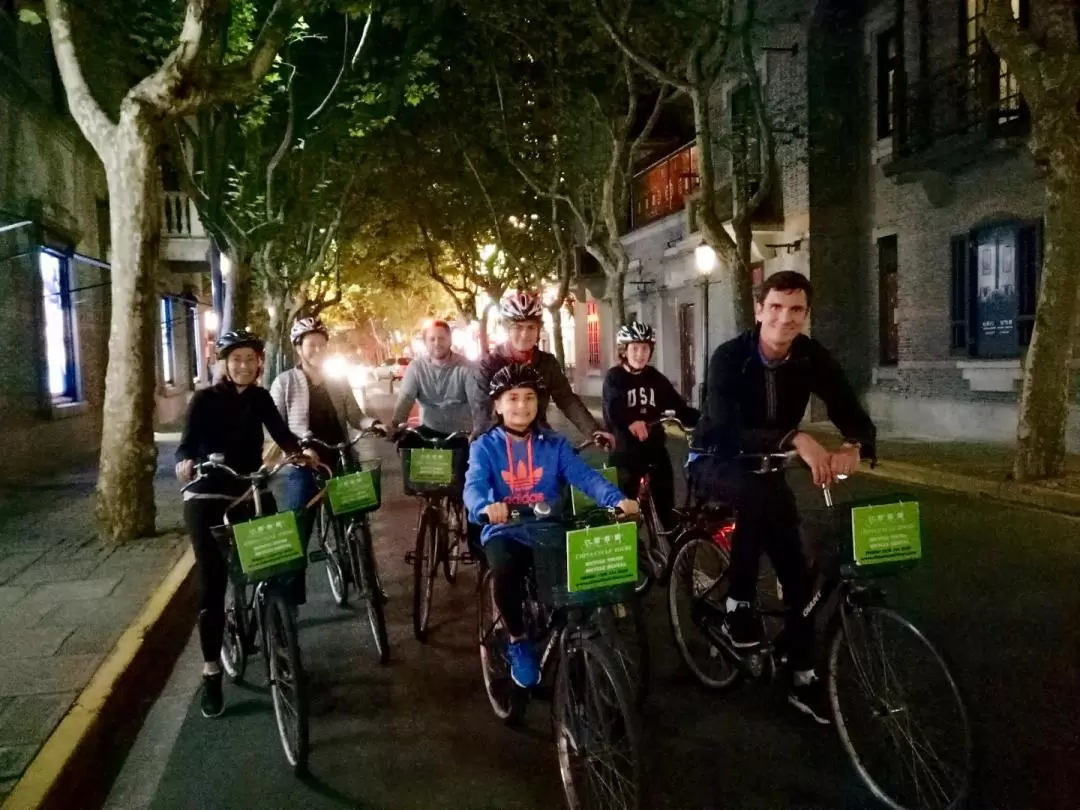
705	259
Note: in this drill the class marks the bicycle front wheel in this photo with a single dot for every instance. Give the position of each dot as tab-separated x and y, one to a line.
337	561
629	638
234	643
456	543
288	686
596	731
899	711
367	577
424	570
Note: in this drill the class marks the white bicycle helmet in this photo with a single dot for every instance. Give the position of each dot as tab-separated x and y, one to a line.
305	326
635	332
522	306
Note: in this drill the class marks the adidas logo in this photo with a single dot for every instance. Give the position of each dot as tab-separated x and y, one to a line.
520	480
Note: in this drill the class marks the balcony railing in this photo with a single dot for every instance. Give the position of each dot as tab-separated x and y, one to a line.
975	96
662	188
180	219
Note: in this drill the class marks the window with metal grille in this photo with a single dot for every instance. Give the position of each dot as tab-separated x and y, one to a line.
887	62
592	331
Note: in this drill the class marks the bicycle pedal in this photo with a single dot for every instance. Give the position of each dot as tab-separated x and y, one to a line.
410	558
317	556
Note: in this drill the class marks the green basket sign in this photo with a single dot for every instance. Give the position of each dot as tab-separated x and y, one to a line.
580	502
886	533
351	493
431	466
269	543
601	556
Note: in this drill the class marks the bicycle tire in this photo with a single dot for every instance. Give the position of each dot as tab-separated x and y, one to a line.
370	585
336	571
424	573
590	679
507	700
625	625
451	561
288	682
698	654
895	713
234	644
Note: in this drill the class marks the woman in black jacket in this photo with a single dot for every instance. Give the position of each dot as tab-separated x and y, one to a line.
226	418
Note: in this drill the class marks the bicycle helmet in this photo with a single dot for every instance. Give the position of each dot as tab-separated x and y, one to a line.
305	326
635	332
514	376
237	339
522	306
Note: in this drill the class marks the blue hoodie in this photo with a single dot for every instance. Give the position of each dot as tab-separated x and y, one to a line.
541	466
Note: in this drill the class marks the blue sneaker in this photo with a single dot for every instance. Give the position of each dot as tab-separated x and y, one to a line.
524	666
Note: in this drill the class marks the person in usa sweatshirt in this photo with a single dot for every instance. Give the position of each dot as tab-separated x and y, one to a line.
515	463
636	394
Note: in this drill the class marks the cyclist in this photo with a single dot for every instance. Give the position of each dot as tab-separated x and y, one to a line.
518	461
757	390
226	418
311	403
636	394
524	313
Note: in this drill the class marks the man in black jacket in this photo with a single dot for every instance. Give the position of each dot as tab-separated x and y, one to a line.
757	390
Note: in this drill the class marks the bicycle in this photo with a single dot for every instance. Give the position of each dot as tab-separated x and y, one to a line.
597	738
345	534
869	646
259	604
441	537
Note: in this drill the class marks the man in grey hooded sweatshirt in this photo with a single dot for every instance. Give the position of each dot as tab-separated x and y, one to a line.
439	381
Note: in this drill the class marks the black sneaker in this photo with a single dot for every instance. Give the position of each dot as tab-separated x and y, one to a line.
741	627
812	699
213	702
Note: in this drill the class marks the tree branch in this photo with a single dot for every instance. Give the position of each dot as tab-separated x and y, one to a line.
1016	46
88	114
277	157
363	39
649	67
340	73
766	144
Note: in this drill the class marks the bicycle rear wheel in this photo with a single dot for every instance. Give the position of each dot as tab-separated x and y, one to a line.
424	570
288	683
366	575
456	542
507	699
234	644
596	731
337	562
899	711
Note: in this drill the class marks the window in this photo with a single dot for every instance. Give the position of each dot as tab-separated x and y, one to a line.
995	282
168	370
592	331
59	327
888	288
191	327
887	63
662	188
991	84
746	154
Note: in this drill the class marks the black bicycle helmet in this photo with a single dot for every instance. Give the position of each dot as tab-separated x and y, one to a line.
635	332
514	376
305	326
237	339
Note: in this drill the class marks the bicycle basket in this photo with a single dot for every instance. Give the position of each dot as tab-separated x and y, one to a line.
869	536
588	566
261	549
428	471
357	491
580	503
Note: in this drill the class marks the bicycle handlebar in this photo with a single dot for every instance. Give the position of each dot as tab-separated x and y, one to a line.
457	434
595	441
217	462
310	441
540	511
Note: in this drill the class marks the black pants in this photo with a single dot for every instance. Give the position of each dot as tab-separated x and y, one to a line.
766	520
509	561
200	515
655	461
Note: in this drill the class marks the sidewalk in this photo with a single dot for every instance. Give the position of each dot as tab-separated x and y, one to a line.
65	600
972	468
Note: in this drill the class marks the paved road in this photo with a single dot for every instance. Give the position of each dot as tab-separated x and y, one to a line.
998	590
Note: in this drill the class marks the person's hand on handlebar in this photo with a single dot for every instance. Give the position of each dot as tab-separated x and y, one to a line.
604	439
379	428
628	506
817	458
497	513
185	471
639	430
844	461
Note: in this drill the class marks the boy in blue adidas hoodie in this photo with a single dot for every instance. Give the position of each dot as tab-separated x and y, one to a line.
517	463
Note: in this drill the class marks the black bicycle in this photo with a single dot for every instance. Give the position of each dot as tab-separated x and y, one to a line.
897	707
597	738
345	535
432	474
260	604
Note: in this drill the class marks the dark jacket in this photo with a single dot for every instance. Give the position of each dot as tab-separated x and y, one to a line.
755	409
643	396
558	389
221	419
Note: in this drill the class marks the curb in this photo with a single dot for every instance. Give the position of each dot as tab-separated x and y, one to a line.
76	765
1030	495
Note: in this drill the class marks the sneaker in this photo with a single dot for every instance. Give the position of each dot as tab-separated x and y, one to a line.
213	702
741	627
812	699
524	667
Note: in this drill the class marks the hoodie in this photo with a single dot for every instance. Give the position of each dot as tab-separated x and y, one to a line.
526	472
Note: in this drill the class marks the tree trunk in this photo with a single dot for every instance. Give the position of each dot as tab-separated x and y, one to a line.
482	332
1044	403
742	282
557	334
616	281
237	314
276	338
128	454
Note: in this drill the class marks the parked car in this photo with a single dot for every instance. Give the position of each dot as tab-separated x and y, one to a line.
391	370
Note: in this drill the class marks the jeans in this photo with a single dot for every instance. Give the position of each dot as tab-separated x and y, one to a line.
300	486
510	562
